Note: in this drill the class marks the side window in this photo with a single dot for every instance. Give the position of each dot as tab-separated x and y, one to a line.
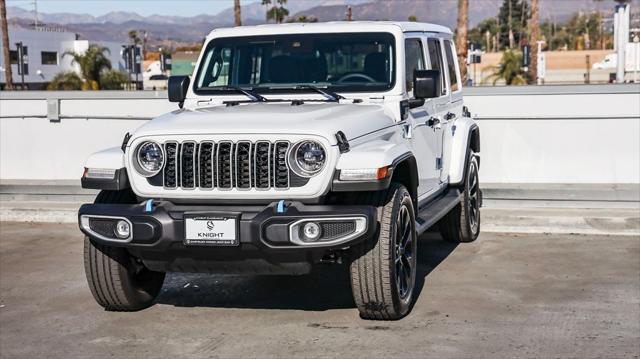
216	68
435	55
414	60
451	65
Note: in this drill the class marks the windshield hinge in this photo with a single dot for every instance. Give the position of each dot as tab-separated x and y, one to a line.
343	143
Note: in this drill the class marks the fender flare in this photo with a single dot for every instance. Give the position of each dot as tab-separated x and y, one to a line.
109	159
466	135
403	169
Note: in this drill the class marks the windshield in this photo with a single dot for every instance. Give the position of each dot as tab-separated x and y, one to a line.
346	62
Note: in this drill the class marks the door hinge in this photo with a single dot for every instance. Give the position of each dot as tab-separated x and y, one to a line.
438	163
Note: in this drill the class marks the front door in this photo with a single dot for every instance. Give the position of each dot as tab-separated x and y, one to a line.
426	138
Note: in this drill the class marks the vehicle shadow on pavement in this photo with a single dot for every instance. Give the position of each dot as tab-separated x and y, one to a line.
326	288
432	250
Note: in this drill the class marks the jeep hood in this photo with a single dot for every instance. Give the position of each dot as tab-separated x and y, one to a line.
324	119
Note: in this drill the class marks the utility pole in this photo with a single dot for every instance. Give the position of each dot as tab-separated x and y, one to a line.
236	12
534	28
35	8
509	25
461	37
8	75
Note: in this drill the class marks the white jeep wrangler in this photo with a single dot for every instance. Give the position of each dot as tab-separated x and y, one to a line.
293	145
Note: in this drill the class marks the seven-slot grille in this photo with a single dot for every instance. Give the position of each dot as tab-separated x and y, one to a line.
226	165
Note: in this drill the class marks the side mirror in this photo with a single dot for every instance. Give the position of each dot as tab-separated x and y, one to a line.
178	87
426	84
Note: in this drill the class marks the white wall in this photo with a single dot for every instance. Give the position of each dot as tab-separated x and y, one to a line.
547	134
558	137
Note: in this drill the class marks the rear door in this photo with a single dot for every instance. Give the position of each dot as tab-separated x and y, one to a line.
454	108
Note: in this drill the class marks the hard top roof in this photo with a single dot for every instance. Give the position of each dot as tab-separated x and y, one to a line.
333	26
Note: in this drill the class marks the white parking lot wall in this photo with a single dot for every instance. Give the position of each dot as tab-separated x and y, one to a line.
546	134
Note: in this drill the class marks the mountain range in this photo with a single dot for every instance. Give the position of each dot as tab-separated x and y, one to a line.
115	25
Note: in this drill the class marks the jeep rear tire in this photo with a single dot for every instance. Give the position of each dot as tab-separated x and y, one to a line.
383	271
462	224
119	281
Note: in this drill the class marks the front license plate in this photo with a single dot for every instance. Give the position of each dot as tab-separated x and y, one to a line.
210	230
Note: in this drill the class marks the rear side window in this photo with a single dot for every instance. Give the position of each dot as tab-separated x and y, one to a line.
414	60
451	66
435	55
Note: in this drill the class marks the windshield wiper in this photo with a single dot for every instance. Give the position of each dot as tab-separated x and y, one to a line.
253	96
330	95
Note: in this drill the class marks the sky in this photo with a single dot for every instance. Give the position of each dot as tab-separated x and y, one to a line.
142	7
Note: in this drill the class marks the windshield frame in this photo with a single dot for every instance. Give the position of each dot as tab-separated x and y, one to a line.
287	89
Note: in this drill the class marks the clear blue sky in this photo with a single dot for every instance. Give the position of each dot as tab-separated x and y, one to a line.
142	7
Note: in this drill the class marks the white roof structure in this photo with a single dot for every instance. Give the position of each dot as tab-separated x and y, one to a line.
333	26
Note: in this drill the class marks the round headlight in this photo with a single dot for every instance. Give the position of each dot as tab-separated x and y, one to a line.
309	158
150	158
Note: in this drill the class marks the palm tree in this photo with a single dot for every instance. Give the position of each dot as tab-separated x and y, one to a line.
461	37
277	13
236	12
92	62
509	69
133	36
534	28
8	76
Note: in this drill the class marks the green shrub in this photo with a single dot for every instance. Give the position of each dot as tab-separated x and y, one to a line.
66	81
113	80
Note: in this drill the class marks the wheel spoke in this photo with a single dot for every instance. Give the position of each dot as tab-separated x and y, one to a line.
403	247
406	264
474	180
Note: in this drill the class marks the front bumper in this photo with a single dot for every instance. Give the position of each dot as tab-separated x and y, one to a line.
158	233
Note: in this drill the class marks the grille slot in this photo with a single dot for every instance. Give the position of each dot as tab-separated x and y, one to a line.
262	163
206	164
226	165
280	169
243	165
187	165
170	168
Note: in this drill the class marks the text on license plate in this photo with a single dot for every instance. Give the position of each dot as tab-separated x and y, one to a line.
209	230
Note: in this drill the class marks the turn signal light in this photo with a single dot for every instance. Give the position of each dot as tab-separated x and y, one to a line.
365	174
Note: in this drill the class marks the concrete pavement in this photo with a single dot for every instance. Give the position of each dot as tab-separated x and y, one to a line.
503	296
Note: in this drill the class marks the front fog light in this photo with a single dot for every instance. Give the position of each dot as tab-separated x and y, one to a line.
122	230
311	231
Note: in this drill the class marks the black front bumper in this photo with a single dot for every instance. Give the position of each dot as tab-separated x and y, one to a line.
159	235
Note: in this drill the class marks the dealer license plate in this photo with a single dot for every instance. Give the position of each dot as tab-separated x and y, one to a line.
210	230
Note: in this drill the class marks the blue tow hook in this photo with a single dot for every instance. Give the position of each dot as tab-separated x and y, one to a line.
148	207
280	208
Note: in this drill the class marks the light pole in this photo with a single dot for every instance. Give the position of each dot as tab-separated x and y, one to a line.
621	36
20	53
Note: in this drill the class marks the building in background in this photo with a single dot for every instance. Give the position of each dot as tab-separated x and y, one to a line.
43	51
183	62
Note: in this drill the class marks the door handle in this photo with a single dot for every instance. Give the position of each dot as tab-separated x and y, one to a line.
433	121
449	116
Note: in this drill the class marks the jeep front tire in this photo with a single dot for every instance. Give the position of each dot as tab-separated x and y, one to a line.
383	270
119	281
